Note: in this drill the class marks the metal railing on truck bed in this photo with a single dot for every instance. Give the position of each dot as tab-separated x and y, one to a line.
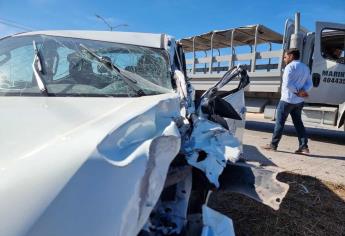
211	54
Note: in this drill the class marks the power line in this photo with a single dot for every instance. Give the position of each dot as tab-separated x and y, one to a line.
107	23
14	24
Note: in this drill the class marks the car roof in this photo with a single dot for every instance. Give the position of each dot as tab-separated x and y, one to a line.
134	38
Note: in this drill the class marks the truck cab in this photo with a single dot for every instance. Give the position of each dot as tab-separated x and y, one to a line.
323	52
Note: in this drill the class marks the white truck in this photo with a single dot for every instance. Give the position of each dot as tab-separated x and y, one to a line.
260	50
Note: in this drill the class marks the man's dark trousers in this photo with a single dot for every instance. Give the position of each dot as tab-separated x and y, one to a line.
283	111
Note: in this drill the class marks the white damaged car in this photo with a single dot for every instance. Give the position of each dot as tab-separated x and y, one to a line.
100	134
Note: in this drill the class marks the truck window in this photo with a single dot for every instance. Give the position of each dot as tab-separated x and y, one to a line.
333	44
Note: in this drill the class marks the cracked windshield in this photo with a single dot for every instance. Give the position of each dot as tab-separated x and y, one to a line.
58	66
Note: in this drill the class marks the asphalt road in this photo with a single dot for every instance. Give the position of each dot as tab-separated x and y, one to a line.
327	150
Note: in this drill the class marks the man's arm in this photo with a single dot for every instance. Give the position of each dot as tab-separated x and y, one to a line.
290	84
306	87
308	83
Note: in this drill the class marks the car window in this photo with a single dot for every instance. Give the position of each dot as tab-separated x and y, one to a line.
333	44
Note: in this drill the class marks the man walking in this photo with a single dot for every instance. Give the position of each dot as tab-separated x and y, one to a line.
296	82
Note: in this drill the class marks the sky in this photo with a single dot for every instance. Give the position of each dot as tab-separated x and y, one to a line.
180	18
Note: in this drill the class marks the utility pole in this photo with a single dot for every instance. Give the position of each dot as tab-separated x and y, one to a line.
107	23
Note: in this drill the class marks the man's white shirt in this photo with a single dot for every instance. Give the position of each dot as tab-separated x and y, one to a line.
296	77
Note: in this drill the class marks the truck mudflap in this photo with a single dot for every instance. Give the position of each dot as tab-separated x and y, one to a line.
341	117
256	182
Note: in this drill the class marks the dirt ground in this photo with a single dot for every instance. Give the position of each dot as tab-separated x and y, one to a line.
327	150
315	202
311	207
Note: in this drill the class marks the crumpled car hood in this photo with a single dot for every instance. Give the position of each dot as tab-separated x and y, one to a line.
24	130
36	165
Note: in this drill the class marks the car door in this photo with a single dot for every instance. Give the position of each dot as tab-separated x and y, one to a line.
328	66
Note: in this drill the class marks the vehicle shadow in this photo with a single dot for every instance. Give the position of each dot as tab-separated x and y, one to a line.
342	158
252	154
311	207
330	136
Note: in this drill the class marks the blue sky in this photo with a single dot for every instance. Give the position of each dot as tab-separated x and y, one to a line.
180	18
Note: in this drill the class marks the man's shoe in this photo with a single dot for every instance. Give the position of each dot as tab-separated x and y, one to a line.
269	147
304	151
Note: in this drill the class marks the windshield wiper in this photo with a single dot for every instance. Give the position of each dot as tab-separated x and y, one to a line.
38	61
131	82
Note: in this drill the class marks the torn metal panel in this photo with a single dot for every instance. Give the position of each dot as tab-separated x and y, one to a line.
211	133
169	216
236	127
216	224
218	144
256	182
176	175
186	92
